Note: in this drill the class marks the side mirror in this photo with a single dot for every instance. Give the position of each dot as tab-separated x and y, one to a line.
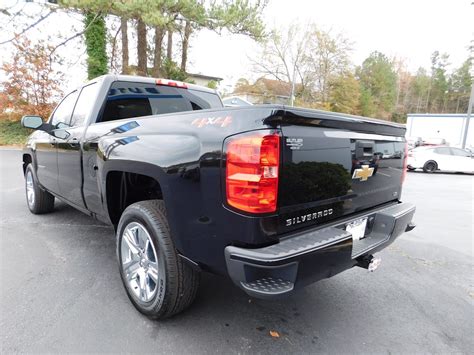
61	134
33	122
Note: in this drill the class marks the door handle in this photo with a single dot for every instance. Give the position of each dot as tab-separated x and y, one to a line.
73	141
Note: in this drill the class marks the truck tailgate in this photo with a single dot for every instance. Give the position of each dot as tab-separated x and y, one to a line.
332	167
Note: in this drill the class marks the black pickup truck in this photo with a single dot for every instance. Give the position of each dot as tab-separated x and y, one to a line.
275	197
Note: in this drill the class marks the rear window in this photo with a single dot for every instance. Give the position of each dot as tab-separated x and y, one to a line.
460	153
128	99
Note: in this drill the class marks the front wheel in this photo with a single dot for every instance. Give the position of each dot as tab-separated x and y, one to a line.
158	282
39	201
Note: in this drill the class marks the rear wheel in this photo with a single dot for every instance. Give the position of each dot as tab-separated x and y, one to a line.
39	201
158	282
430	167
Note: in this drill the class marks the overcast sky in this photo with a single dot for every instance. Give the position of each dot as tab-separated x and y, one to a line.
408	29
411	29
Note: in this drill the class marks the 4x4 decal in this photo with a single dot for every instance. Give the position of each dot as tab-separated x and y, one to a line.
213	121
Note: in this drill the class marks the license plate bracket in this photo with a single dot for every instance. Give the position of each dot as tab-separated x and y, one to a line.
357	228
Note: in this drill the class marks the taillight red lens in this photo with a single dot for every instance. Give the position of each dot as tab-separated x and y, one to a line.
252	166
405	164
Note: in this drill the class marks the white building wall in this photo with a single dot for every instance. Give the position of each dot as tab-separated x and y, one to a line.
447	126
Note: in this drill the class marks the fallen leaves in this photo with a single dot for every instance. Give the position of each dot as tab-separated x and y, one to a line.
274	334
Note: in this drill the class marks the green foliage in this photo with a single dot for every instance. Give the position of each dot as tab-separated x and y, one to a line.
11	132
95	38
378	79
237	16
399	117
367	106
212	84
172	71
345	94
439	81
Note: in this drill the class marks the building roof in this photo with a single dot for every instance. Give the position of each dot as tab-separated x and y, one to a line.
437	114
205	77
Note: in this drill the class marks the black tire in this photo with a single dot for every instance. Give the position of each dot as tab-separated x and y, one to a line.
178	282
42	201
430	167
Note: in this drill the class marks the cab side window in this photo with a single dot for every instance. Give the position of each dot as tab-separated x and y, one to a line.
61	117
84	104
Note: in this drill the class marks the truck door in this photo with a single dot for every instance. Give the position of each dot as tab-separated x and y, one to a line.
70	177
46	152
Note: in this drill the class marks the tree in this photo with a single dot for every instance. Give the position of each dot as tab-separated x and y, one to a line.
345	94
31	86
171	16
95	39
236	16
141	48
283	56
124	33
327	56
460	86
439	82
308	57
378	81
420	88
158	50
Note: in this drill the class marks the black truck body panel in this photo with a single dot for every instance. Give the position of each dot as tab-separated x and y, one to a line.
184	153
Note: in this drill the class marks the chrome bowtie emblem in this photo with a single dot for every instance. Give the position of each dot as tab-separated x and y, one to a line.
363	173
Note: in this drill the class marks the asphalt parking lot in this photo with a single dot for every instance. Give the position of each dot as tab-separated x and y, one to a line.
60	290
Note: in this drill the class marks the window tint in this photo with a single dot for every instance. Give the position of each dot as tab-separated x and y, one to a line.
442	150
62	115
127	99
460	152
84	104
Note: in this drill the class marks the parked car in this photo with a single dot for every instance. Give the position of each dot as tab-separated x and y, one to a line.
434	141
235	101
414	142
442	158
273	197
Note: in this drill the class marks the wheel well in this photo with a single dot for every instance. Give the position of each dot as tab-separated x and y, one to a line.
431	161
125	188
26	160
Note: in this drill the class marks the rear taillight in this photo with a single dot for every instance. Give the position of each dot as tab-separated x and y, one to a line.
252	166
405	164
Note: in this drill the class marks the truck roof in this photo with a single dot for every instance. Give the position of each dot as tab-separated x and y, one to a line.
145	79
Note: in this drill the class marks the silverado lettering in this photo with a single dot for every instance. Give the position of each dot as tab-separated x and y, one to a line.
308	217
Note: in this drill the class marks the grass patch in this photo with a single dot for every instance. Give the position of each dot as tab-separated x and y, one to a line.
12	132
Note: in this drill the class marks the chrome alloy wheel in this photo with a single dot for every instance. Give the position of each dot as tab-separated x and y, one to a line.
30	189
139	261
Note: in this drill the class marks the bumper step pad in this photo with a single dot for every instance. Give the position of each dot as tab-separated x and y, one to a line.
268	285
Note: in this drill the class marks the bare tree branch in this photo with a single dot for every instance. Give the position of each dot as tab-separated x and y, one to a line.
42	18
74	36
